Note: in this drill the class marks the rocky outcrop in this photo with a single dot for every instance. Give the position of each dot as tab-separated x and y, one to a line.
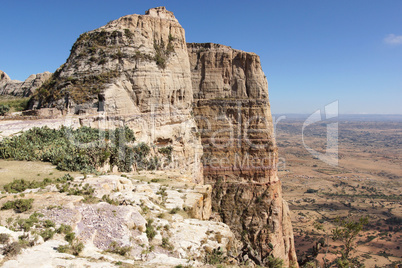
136	64
22	88
4	78
240	158
134	71
137	207
201	99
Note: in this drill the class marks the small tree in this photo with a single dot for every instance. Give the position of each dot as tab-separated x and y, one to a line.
346	233
275	262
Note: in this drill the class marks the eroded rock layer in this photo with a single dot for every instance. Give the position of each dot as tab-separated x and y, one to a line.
22	88
233	115
134	71
205	99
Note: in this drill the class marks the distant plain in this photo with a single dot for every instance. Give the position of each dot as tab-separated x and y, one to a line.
366	182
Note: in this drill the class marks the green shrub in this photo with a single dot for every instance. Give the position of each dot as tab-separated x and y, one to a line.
174	210
64	229
19	205
166	244
84	149
150	231
89	199
311	191
167	151
69	237
17	186
63	248
4	109
74	248
77	247
128	34
275	262
47	234
48	224
162	53
109	200
115	248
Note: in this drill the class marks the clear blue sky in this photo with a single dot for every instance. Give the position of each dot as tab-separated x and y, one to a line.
312	51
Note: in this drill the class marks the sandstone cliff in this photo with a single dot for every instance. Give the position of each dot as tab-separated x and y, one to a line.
240	158
200	98
22	88
136	71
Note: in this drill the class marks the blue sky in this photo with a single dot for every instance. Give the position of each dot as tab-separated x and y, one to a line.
313	52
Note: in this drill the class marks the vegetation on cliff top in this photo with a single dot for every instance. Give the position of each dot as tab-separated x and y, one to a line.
80	90
84	149
97	47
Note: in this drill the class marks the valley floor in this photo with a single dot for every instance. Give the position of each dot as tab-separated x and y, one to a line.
366	182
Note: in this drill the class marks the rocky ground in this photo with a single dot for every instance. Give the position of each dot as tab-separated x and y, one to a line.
143	220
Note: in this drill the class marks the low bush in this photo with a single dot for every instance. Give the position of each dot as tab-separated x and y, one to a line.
107	199
166	244
4	109
27	224
19	205
115	248
311	191
74	247
83	149
174	210
12	249
48	224
275	262
64	229
150	230
47	234
166	151
69	237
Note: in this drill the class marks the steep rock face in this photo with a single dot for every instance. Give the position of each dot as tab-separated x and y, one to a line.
22	88
200	98
131	65
233	114
135	70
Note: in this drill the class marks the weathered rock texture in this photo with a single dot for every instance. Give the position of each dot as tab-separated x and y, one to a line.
182	238
136	70
139	71
233	114
22	88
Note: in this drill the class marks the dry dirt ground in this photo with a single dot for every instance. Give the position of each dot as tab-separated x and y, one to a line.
366	182
37	171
